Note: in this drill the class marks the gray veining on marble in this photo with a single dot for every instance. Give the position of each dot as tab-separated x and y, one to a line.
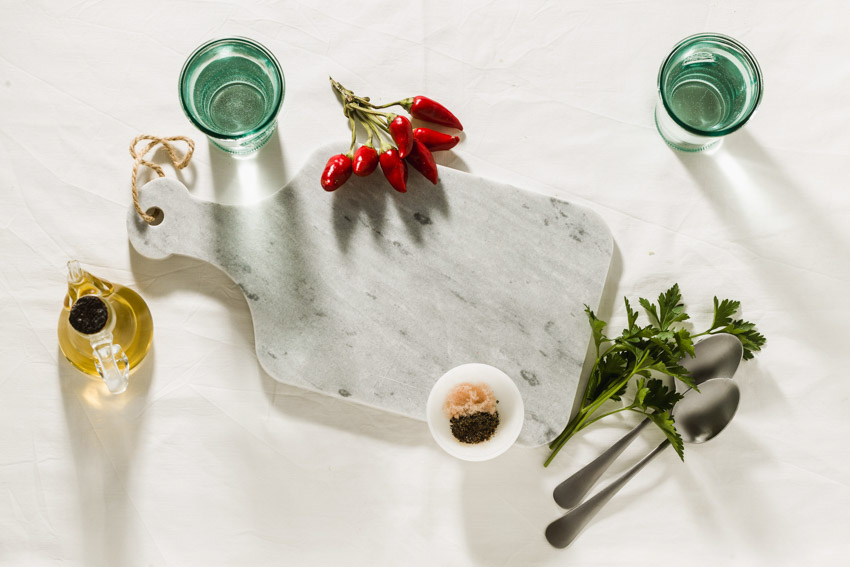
371	295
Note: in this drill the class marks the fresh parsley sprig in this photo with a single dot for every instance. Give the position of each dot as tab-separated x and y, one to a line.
641	350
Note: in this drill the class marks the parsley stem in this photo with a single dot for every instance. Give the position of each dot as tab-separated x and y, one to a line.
604	415
568	430
594	370
580	421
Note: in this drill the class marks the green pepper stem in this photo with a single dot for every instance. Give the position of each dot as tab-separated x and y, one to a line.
389	104
348	97
372	124
359	108
353	127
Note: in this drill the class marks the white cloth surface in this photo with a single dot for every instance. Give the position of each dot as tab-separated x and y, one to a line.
206	460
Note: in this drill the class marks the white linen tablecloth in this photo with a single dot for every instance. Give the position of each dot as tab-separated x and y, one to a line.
206	460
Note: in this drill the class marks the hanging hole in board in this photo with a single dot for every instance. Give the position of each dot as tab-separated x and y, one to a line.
157	214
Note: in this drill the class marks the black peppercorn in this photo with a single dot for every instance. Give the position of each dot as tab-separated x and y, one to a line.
89	315
475	427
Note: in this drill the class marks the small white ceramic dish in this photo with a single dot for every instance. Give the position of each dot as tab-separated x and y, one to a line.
510	407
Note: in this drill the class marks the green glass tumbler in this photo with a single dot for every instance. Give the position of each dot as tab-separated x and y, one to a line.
708	87
232	90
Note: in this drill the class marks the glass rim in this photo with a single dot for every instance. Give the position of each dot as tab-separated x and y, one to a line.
279	79
729	41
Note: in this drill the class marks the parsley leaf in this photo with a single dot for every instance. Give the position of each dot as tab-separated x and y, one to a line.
723	312
609	372
750	338
631	315
665	422
597	327
654	395
650	309
684	341
670	309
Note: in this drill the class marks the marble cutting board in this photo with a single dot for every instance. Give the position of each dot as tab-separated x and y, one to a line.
370	295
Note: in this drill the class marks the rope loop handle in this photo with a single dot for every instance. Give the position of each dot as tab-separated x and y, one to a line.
139	159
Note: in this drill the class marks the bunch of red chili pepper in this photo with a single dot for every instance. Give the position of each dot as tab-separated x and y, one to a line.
399	144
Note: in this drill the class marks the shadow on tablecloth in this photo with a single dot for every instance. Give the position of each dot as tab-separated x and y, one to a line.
103	430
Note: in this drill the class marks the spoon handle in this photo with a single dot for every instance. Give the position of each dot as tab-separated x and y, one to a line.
569	493
564	530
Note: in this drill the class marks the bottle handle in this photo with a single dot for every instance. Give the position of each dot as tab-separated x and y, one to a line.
111	362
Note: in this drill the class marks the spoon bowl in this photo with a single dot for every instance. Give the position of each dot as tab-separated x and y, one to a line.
700	416
715	356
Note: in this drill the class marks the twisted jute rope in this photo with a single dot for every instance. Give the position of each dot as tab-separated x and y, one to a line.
139	159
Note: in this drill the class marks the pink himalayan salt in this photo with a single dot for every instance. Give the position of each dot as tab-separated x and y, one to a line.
467	399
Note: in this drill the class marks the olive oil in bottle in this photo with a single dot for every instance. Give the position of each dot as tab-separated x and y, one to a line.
114	339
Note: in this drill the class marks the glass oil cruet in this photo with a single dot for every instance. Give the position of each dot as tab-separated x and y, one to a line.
105	329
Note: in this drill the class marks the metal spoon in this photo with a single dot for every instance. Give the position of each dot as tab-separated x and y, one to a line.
700	416
716	355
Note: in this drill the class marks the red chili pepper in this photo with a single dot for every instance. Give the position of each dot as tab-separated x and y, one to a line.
429	110
402	133
395	169
337	171
423	161
435	141
365	161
